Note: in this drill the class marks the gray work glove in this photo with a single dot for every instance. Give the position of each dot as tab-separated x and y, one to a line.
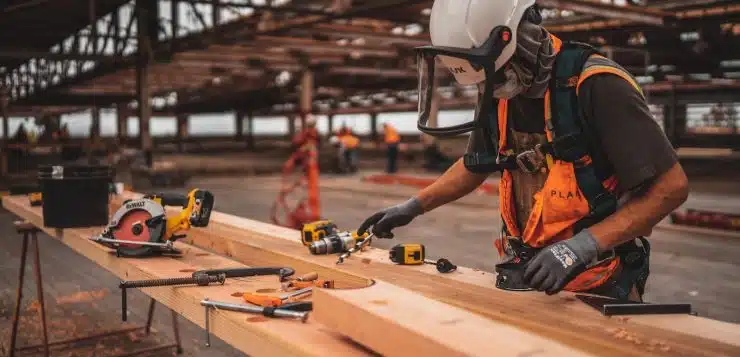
557	265
397	216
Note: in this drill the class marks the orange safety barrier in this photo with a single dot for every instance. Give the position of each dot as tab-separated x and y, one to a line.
300	173
421	182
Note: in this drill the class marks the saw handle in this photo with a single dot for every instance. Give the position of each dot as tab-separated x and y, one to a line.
171	199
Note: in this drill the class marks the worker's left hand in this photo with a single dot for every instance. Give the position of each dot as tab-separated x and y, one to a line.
555	266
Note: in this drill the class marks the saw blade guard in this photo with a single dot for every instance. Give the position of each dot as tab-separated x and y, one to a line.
139	220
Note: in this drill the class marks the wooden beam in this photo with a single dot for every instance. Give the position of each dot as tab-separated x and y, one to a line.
681	15
251	334
369	71
626	12
409	329
561	317
122	115
447	104
313	46
338	31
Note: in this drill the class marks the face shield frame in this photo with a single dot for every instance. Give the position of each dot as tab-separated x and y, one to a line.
480	58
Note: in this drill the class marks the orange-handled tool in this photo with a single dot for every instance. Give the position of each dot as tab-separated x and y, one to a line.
273	301
305	280
308	277
326	284
262	300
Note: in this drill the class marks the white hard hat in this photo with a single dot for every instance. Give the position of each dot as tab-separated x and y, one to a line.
468	24
474	40
334	140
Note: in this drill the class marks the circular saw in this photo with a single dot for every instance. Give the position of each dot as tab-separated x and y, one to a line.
141	226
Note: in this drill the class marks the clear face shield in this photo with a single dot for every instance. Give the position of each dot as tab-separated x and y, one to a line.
444	72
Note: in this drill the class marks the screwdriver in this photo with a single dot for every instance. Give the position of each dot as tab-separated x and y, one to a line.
273	301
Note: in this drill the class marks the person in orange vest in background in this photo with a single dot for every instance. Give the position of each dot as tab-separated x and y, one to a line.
392	141
349	144
586	172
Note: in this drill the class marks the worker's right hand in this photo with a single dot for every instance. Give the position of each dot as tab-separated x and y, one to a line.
397	216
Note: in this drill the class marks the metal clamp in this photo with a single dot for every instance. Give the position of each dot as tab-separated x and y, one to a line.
268	312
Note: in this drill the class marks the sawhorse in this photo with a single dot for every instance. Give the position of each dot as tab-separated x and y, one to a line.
30	233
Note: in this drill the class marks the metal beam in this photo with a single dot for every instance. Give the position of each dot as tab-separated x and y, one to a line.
18	54
146	36
86	100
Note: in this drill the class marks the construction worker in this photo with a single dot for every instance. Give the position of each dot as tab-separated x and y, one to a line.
585	170
392	140
349	144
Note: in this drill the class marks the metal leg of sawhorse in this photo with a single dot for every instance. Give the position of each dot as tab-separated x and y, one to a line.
30	232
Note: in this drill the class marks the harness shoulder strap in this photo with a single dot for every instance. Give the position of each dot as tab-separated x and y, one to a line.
598	64
570	132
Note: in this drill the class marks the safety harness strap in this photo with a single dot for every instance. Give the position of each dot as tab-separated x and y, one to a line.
568	130
484	162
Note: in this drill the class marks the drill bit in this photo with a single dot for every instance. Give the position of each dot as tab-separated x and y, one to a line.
358	246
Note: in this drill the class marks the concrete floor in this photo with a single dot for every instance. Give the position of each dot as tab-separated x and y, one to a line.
702	270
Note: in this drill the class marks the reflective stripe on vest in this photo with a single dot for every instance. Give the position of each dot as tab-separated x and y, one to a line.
561	203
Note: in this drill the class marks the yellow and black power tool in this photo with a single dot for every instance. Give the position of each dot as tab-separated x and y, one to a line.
336	243
142	227
35	199
415	254
312	232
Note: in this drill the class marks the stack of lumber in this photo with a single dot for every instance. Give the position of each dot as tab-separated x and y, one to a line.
381	308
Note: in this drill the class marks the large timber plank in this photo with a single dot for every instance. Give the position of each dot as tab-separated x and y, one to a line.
395	322
561	317
254	336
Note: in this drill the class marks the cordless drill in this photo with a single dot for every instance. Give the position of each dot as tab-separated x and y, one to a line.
336	243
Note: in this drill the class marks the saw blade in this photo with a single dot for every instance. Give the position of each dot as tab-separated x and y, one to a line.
132	227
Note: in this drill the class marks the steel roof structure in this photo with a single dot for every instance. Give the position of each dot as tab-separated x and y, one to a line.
192	56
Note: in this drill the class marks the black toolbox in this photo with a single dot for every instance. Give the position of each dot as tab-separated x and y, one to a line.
75	196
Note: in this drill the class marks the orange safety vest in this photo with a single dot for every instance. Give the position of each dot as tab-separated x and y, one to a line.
349	141
561	203
391	135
